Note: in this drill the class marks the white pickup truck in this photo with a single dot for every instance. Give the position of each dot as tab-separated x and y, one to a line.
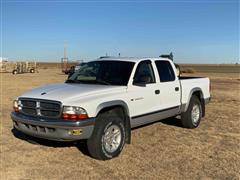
107	97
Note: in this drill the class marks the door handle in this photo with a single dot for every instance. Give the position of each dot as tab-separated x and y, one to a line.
157	91
176	88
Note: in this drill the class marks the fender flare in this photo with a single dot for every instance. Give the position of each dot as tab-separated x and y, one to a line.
122	104
197	89
111	104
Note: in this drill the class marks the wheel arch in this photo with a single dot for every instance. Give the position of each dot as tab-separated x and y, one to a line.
121	108
197	92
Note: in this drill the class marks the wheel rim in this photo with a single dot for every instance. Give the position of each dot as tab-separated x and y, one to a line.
112	138
195	113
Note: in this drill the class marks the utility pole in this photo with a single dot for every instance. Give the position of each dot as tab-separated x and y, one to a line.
64	60
65	51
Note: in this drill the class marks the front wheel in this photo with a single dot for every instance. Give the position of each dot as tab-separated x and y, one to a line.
108	137
192	117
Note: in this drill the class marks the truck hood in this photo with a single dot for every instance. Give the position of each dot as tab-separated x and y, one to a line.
67	91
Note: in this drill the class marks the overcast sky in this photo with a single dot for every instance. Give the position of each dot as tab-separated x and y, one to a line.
195	31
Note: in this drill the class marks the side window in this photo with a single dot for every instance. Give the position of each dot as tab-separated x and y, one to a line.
165	71
144	73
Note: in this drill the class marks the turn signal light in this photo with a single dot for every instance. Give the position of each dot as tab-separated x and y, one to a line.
74	113
16	109
74	116
16	105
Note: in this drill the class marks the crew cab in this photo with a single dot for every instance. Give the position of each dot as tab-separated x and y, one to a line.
107	97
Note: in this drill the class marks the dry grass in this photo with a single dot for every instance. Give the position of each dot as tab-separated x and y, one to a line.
188	70
216	68
163	150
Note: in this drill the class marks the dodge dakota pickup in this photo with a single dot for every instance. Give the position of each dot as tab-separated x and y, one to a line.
107	97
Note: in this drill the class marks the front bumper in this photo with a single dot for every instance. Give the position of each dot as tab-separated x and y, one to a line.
57	129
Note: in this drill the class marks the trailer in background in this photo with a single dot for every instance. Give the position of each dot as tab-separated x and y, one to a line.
18	67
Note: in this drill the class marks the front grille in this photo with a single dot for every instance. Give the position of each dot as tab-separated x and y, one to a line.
30	111
42	108
49	113
50	106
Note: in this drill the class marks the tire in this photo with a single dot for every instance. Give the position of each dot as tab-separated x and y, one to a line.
14	72
99	143
32	71
192	117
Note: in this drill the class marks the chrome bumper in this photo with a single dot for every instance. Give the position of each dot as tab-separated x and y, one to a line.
57	129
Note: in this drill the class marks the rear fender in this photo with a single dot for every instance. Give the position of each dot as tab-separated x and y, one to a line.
194	90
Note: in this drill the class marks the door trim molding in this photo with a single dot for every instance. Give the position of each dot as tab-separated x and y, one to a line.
154	116
154	112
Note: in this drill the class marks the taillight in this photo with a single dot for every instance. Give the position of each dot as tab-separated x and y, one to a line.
74	113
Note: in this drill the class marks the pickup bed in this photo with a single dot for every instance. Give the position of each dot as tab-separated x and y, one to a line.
107	97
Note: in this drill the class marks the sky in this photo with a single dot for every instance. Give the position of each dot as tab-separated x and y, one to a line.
196	31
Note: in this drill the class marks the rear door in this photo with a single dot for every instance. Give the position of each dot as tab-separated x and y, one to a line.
169	86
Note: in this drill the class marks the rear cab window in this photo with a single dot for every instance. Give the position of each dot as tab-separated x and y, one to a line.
165	71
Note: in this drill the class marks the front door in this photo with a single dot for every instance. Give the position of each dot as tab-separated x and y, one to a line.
143	94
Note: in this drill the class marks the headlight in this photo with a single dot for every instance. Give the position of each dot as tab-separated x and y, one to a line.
74	113
17	105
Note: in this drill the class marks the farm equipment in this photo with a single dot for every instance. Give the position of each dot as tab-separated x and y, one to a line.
18	67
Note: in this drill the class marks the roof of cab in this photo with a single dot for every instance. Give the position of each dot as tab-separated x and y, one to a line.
130	59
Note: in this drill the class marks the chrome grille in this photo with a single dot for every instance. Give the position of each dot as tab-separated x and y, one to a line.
42	108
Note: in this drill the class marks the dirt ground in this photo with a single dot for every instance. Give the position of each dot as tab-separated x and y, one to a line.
163	150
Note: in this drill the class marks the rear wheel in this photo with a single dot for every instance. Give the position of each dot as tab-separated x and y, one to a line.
108	137
192	117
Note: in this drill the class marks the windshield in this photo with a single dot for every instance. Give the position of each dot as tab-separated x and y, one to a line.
103	72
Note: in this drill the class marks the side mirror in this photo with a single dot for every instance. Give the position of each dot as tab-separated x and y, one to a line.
139	84
142	81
